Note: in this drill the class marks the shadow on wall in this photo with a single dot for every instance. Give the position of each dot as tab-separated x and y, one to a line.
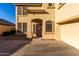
10	42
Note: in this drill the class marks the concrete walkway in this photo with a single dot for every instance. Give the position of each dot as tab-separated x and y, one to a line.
39	47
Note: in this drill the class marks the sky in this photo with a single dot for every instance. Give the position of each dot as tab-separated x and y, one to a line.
7	12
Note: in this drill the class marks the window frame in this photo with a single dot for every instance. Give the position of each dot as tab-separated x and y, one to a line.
24	27
49	4
21	10
46	28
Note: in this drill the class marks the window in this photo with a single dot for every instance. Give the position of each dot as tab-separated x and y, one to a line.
50	4
21	10
48	26
24	27
19	26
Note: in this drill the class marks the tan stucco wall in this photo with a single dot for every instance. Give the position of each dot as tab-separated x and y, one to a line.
69	33
67	12
5	28
44	17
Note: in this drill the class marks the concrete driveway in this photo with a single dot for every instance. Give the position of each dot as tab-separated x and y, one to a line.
39	47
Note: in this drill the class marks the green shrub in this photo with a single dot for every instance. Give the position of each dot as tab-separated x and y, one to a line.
12	32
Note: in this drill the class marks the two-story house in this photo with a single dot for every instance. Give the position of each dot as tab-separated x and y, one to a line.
58	21
36	19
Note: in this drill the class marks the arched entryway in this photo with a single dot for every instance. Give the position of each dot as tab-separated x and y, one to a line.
36	28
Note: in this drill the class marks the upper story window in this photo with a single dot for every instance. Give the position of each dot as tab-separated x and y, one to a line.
49	4
21	10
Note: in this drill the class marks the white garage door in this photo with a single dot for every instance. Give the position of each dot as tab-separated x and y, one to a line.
70	34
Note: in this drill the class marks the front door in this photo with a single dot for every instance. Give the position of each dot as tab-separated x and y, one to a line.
39	30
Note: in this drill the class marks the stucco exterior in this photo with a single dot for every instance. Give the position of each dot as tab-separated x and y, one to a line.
64	17
5	28
67	21
43	17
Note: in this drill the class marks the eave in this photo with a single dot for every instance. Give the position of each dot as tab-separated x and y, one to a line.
29	4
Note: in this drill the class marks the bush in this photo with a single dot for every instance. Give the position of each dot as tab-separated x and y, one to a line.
12	32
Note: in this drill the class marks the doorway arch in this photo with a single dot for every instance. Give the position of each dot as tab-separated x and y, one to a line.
36	28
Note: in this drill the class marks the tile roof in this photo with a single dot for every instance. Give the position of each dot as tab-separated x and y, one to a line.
5	22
